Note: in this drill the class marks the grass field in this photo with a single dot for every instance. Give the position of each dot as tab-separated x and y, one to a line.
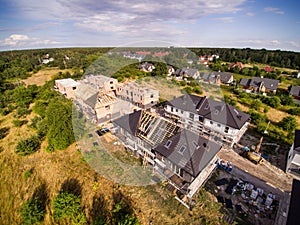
44	75
22	176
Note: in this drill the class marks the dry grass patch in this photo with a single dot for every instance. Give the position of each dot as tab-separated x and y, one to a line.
44	75
276	115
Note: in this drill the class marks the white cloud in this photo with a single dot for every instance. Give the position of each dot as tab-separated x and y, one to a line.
225	19
20	40
250	14
130	15
293	44
274	10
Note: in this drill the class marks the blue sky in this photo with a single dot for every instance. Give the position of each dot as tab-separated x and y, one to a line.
198	23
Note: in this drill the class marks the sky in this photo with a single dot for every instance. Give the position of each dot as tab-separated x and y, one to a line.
26	24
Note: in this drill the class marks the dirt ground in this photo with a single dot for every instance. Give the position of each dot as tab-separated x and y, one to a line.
241	198
265	172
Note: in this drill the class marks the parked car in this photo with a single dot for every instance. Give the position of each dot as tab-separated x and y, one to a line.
102	131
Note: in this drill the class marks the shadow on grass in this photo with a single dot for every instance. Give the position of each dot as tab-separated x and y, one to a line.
41	193
71	186
99	211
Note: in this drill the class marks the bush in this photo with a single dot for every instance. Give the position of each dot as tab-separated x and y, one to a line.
256	104
3	132
23	111
288	123
294	111
272	101
122	215
67	207
28	146
187	90
197	90
28	173
19	123
32	212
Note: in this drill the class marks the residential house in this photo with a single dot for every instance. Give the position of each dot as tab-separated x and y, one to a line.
293	160
238	64
295	92
96	105
214	119
218	78
146	67
104	106
259	84
187	160
141	131
134	56
180	156
102	82
141	96
67	87
85	100
160	54
170	70
187	72
268	69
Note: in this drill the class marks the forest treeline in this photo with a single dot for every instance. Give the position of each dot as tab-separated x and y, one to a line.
17	64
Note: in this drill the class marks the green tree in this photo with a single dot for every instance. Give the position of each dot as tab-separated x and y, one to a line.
288	123
59	122
32	212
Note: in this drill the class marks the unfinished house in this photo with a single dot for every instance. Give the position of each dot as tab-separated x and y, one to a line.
214	119
101	82
141	96
259	84
141	131
178	155
67	87
186	160
293	160
96	105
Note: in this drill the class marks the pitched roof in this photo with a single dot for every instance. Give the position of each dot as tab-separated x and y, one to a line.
217	111
129	122
87	94
245	82
224	77
295	91
147	126
189	151
270	84
212	77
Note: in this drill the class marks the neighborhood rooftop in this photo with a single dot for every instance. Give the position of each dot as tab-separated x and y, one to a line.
211	109
270	84
189	151
295	91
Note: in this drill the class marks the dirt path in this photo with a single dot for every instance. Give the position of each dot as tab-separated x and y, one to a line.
266	172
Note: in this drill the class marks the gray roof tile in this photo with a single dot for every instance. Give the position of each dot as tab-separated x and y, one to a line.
198	152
